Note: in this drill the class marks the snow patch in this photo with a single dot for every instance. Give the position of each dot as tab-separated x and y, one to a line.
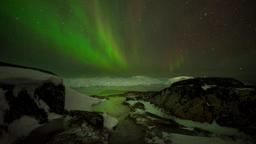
177	79
149	108
109	121
18	129
23	126
19	75
214	127
52	116
77	101
206	87
41	104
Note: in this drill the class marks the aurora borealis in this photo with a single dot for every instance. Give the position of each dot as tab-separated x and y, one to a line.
74	34
131	37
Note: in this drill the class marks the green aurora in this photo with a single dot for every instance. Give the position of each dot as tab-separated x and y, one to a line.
97	46
130	37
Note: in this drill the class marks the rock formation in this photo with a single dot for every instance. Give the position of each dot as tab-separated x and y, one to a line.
226	100
32	110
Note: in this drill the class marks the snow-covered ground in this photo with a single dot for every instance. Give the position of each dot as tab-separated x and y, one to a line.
21	75
77	101
186	139
105	86
30	79
122	81
18	129
214	127
81	101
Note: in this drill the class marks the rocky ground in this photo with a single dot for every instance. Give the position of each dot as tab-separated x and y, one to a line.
227	101
191	111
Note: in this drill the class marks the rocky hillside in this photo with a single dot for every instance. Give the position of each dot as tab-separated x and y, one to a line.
227	101
36	107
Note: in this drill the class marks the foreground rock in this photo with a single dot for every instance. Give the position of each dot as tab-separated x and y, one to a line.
32	110
228	101
75	127
27	105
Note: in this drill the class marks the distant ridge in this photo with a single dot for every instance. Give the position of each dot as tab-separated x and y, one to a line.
25	67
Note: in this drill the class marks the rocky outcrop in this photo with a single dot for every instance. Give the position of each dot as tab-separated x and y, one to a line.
26	104
32	110
226	100
22	105
74	127
53	95
94	119
32	99
83	128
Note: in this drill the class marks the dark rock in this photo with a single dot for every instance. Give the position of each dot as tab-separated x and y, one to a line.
6	86
21	105
3	129
85	136
202	132
24	97
138	105
83	128
53	95
76	127
93	118
226	100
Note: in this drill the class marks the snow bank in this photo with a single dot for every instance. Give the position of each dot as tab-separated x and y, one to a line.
109	121
176	79
18	129
16	75
77	101
23	126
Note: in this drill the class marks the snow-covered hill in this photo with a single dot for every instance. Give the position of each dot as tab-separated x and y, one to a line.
30	98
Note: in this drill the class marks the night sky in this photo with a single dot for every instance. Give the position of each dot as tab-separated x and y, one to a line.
162	38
